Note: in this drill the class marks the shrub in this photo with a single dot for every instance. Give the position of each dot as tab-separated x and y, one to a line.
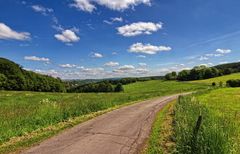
119	88
214	84
233	83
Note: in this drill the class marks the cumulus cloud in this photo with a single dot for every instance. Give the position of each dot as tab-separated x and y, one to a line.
41	9
35	58
111	64
126	67
50	72
142	70
67	65
67	36
83	5
7	33
223	51
147	48
139	28
119	5
96	55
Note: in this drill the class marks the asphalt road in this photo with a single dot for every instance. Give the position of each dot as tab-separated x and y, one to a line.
121	131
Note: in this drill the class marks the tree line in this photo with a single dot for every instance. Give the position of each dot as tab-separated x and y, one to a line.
104	86
203	72
13	77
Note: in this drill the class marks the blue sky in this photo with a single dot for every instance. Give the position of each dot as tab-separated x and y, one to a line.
78	39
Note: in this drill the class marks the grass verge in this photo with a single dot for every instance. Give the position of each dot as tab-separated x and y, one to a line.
160	141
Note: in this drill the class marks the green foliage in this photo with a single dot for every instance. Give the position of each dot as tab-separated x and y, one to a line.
171	76
219	130
119	88
34	110
3	81
233	83
103	86
198	73
202	72
13	77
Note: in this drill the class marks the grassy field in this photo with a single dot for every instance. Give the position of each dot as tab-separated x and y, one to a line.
219	79
24	112
219	129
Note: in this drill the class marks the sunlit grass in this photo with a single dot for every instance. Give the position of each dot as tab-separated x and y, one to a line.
219	79
220	128
24	112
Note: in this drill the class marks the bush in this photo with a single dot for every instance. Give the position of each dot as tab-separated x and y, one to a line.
233	83
119	88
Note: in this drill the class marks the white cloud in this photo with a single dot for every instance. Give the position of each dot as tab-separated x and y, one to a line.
41	9
142	64
142	70
141	56
111	64
114	53
223	51
119	5
67	36
51	72
112	20
7	33
147	48
97	55
139	28
126	67
67	65
83	5
223	62
203	58
35	58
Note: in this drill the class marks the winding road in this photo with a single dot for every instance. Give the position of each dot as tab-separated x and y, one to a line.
121	131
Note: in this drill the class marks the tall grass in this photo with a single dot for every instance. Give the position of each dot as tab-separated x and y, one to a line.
217	134
24	112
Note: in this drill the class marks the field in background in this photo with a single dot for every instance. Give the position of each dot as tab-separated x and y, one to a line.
24	112
219	129
219	79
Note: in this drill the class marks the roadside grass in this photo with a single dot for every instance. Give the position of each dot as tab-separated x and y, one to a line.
23	113
160	141
219	79
217	132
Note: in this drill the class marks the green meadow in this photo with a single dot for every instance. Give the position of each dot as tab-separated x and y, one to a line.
219	79
24	112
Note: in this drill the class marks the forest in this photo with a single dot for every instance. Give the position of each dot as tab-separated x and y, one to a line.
14	77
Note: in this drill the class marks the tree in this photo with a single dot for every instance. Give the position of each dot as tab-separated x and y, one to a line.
171	76
3	81
184	75
119	88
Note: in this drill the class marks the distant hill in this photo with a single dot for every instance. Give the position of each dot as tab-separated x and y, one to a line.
13	77
229	67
